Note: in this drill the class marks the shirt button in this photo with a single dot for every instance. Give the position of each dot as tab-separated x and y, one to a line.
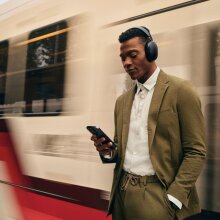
142	96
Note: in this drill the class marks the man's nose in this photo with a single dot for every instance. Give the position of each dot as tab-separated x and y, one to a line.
127	62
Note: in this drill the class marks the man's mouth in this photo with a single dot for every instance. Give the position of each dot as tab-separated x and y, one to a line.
130	71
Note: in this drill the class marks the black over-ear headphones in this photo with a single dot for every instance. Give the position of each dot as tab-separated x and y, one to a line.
151	50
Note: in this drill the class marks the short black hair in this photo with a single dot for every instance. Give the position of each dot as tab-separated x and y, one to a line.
134	32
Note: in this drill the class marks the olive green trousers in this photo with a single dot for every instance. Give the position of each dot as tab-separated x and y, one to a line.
141	198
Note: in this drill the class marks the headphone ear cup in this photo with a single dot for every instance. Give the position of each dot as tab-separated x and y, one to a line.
151	51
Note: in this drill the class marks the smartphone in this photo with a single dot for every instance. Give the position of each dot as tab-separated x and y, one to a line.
99	133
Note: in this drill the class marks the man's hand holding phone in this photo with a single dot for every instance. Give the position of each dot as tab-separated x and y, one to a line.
104	145
102	148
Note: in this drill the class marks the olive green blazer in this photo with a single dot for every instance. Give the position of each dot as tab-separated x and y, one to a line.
176	138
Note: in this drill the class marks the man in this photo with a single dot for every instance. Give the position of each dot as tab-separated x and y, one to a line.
159	134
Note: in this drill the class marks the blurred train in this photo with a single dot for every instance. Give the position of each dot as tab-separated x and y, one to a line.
60	71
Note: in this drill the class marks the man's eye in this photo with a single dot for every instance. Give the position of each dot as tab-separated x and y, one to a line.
133	54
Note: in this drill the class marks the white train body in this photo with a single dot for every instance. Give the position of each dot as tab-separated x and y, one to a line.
61	71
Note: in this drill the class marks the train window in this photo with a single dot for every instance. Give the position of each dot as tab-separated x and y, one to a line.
3	70
214	56
213	129
45	70
205	54
211	170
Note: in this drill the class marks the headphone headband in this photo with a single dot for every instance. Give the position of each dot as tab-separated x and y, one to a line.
145	31
151	50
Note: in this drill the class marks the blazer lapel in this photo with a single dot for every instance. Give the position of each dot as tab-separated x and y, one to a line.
159	91
127	105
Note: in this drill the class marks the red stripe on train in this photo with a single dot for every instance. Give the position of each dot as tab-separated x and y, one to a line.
34	206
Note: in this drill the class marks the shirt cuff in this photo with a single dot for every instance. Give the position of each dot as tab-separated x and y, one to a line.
175	201
107	156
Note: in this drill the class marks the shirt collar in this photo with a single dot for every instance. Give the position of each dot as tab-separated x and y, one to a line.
150	83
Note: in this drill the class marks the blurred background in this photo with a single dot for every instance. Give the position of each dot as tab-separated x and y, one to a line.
60	71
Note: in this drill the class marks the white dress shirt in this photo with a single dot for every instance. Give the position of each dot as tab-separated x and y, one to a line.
137	158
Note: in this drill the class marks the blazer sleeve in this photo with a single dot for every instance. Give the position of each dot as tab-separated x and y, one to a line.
114	155
192	130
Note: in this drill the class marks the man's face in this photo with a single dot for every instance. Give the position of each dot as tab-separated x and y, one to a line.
133	59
